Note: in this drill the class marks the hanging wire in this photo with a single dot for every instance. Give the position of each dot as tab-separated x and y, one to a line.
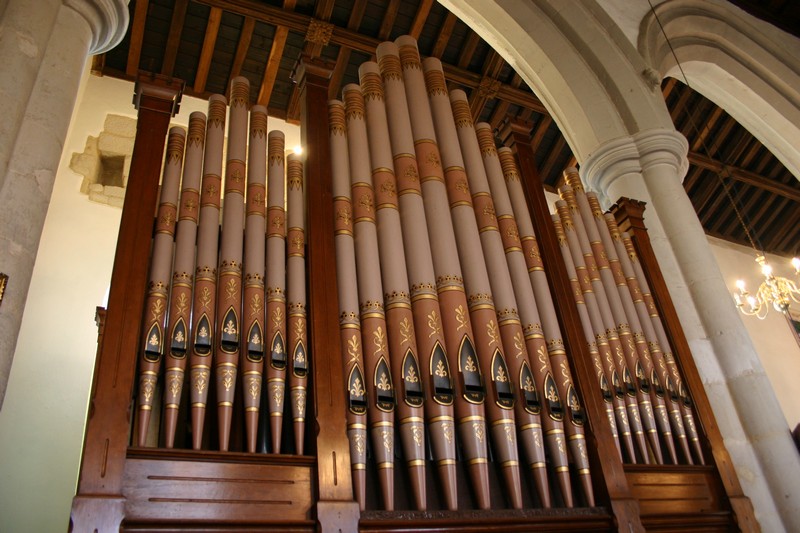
725	172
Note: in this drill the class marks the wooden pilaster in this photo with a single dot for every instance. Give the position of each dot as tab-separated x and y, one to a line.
630	217
336	508
99	504
608	474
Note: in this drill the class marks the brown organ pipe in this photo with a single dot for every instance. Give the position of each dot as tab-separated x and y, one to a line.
539	368
628	276
229	285
488	344
380	386
205	290
606	335
160	264
609	299
423	197
349	322
393	122
183	275
608	260
600	313
277	359
397	298
251	355
620	298
544	300
679	392
296	299
528	413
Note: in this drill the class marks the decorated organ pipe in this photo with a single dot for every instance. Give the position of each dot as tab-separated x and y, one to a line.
252	353
625	314
640	289
379	379
229	282
397	299
183	276
155	314
205	290
608	345
488	344
538	389
277	358
411	135
513	205
528	413
608	295
296	300
347	284
613	398
626	280
611	270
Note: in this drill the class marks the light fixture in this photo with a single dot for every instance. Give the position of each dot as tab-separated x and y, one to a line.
298	150
775	291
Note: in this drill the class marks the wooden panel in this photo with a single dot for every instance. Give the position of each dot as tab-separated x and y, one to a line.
524	520
221	488
675	489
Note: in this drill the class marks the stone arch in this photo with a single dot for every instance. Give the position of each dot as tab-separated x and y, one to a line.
587	73
744	65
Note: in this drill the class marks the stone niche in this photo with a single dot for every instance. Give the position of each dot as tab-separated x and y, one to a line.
106	161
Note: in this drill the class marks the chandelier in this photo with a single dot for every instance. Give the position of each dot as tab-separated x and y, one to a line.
775	291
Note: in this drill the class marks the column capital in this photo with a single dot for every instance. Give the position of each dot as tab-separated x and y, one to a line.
633	155
663	147
107	19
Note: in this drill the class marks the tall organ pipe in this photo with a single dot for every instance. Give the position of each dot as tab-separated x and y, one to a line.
296	299
276	286
178	329
205	290
600	316
252	354
530	310
488	343
626	278
544	300
158	287
527	408
380	385
349	321
229	289
437	296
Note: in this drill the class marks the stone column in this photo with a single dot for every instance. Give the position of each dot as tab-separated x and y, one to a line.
44	45
650	166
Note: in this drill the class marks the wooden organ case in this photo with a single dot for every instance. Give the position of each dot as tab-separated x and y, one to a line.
465	361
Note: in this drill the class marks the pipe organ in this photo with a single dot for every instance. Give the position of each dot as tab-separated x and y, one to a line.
382	327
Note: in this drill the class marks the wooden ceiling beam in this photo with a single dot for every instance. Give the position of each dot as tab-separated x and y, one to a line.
137	37
699	141
242	47
745	176
680	105
352	39
501	109
388	20
420	18
174	39
273	64
445	31
356	14
760	230
541	129
207	52
721	137
468	50
669	86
